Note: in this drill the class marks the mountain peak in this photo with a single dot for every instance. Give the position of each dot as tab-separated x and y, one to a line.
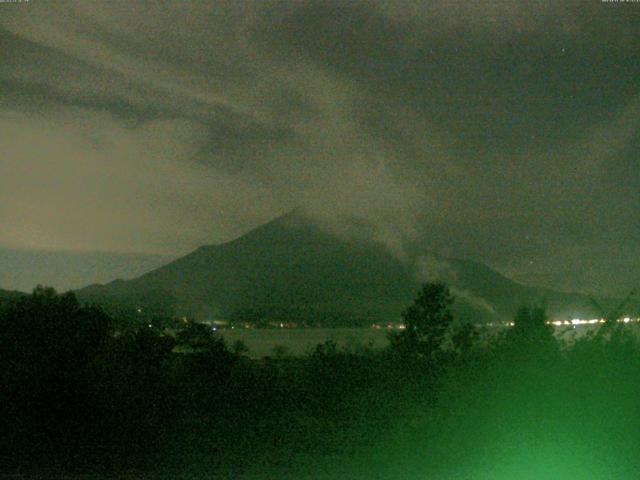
292	268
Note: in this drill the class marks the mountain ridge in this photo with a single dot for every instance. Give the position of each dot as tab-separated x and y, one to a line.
290	268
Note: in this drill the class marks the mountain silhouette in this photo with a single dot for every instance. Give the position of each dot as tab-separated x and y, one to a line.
6	295
290	269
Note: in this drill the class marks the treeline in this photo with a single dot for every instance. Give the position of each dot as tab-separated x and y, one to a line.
83	393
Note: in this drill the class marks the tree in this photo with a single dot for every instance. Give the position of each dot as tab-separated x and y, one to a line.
426	321
47	344
612	327
194	335
530	325
52	331
531	337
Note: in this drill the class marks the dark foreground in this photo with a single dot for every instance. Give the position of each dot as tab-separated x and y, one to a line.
84	399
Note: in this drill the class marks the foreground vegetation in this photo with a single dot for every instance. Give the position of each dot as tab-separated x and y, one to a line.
81	394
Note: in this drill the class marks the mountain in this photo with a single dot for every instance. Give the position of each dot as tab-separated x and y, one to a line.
592	275
6	295
290	269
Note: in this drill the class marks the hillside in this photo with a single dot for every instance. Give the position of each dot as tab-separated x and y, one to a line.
9	295
289	269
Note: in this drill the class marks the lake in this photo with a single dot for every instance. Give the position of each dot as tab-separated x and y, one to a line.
300	341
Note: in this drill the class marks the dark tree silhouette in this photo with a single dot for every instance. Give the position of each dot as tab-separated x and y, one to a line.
195	335
426	321
530	325
47	344
531	338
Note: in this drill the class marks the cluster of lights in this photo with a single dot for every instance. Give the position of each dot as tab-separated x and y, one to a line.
576	321
593	321
571	323
389	326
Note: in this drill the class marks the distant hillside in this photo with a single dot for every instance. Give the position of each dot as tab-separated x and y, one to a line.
289	269
597	276
9	295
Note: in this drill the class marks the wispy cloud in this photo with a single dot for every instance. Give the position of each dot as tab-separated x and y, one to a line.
472	128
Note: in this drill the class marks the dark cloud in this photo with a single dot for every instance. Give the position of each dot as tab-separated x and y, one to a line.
498	130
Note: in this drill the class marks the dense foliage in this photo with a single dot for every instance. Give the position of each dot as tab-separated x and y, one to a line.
81	394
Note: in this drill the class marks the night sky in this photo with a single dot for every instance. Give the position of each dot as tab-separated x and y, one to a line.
507	132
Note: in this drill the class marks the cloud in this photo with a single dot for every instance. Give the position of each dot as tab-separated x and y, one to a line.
497	130
84	181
